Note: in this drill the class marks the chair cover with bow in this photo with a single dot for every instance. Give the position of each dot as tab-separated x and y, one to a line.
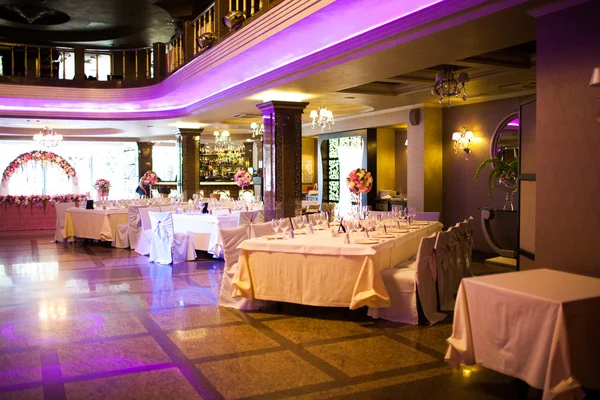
143	245
232	238
465	247
445	271
134	225
406	280
61	215
264	229
168	247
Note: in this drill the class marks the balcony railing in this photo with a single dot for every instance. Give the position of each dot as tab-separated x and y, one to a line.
46	64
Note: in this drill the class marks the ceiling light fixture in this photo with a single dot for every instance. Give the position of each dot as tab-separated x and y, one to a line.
462	141
595	81
233	19
48	137
258	129
447	86
206	40
322	117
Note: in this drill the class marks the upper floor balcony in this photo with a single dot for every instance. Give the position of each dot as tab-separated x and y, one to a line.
96	67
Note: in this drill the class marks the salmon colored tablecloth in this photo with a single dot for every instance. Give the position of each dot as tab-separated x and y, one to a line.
540	326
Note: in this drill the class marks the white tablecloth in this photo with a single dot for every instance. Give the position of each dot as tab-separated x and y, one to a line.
540	326
204	229
96	224
321	270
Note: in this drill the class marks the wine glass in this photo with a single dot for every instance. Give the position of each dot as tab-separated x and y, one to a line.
275	223
298	222
284	225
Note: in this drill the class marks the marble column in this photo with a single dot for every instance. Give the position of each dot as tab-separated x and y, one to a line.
282	158
144	157
189	140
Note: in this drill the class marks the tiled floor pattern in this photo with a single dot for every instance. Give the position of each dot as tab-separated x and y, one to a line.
85	321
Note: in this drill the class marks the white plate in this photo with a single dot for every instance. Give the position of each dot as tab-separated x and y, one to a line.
385	236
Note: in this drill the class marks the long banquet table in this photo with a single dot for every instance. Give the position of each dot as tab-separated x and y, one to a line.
540	326
322	270
96	224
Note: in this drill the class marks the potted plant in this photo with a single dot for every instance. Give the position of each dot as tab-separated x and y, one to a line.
503	173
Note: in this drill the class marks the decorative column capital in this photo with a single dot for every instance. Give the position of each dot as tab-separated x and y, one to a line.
189	131
277	106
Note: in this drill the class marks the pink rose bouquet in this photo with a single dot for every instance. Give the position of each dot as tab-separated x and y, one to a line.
149	178
359	181
102	184
243	178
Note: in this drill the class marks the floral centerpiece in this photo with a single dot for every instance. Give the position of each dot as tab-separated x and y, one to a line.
359	181
243	178
102	186
37	156
149	178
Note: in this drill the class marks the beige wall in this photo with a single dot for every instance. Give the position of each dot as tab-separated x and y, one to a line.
461	195
386	159
309	150
568	141
401	160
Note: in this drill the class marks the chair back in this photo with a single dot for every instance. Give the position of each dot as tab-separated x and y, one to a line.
145	217
264	229
246	217
328	207
232	238
134	225
224	193
427	278
427	216
61	212
161	247
260	217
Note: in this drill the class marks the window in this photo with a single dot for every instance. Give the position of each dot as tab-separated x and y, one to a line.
165	160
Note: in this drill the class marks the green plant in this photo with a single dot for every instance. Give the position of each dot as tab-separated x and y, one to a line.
500	169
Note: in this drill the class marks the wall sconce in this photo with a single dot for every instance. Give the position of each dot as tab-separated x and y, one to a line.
595	81
462	141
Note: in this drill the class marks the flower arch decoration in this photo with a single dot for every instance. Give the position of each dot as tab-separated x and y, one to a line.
38	156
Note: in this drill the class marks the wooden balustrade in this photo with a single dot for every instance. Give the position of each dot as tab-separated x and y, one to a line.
59	63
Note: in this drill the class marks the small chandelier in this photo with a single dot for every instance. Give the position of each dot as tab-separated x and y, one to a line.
446	85
462	141
48	137
222	137
322	117
258	129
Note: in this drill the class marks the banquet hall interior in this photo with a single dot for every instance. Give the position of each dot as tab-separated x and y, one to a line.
307	199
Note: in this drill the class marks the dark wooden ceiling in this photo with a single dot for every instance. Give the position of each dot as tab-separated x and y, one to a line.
107	23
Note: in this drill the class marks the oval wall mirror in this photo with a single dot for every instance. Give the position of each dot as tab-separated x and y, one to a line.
505	140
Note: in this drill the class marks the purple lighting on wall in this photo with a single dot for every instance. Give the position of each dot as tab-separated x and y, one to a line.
514	122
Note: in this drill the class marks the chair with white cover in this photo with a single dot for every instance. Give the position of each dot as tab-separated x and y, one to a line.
264	229
134	225
260	217
168	208
231	240
466	248
446	270
143	244
168	247
247	217
61	215
456	254
427	216
407	282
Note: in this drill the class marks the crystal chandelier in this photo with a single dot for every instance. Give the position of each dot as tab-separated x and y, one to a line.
446	85
48	137
322	117
222	140
258	129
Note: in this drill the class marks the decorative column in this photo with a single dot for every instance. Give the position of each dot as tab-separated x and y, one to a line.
188	140
144	157
282	158
79	63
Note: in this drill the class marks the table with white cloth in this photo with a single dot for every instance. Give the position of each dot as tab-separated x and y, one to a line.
541	326
205	229
322	270
96	224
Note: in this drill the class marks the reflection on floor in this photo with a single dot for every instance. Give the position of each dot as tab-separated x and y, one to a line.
92	322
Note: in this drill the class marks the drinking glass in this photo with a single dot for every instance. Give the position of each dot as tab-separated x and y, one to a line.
275	223
284	225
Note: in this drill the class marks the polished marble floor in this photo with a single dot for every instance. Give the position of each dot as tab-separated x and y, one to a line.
85	321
